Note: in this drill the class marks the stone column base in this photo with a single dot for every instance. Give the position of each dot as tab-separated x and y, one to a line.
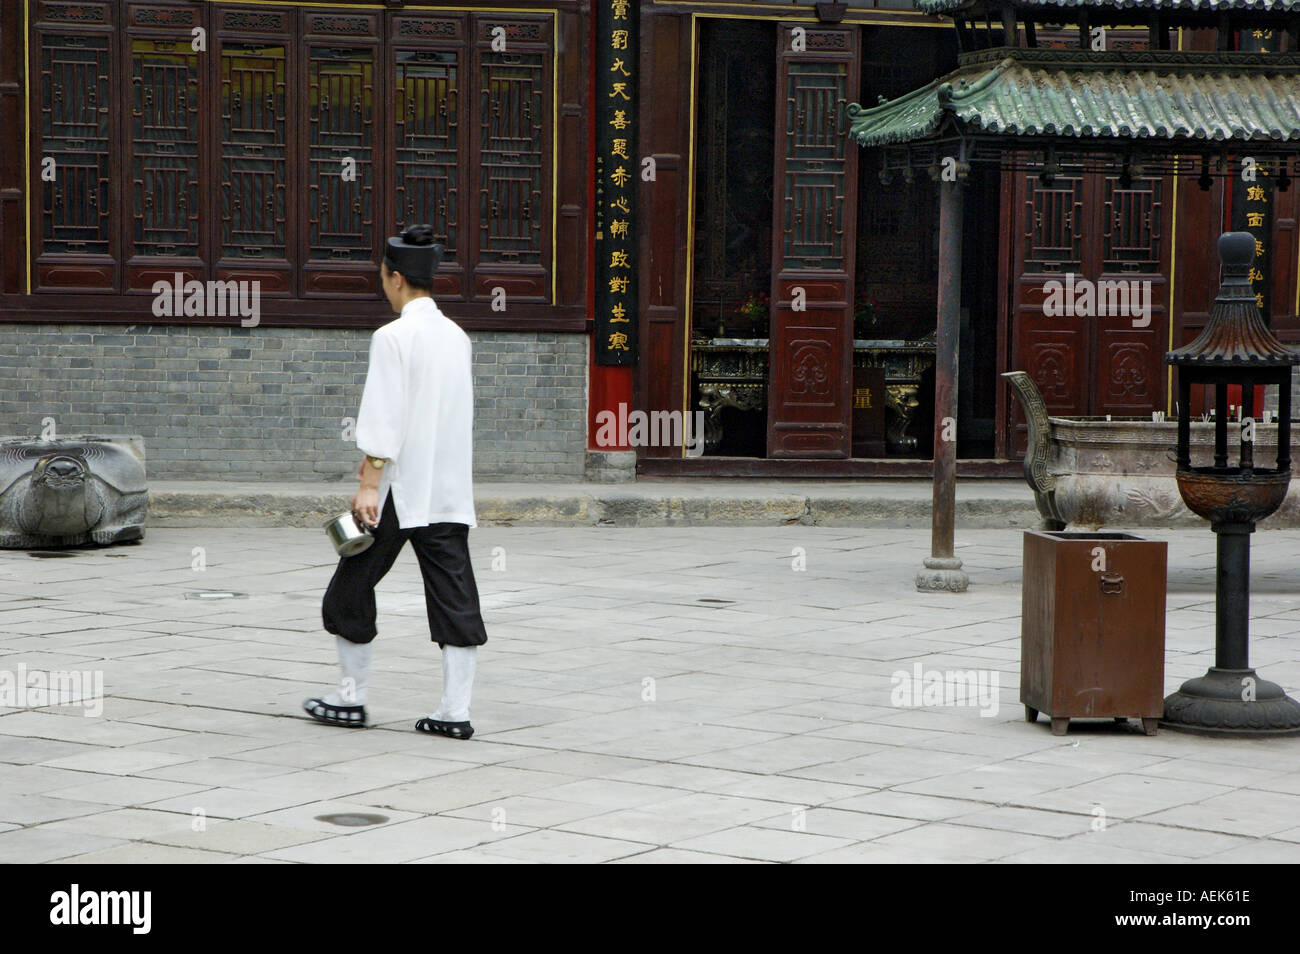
610	467
942	573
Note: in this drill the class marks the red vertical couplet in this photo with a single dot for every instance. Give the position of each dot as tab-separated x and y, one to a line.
617	170
614	177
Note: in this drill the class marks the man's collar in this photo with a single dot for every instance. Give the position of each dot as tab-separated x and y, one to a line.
416	305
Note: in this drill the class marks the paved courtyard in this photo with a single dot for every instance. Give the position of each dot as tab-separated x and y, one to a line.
647	695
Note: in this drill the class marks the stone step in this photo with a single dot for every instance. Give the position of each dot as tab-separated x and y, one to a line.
644	503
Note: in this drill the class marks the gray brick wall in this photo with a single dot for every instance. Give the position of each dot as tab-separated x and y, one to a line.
268	403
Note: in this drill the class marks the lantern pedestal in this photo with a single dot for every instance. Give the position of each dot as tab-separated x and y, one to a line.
1230	699
1232	702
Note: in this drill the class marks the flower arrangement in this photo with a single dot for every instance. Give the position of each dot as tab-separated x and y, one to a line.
756	309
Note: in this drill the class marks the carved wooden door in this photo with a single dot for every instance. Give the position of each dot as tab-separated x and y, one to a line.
1094	343
810	364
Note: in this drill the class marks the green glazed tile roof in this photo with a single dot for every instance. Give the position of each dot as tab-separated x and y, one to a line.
1016	98
1195	6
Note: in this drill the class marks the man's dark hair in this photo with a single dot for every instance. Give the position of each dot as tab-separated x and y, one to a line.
418	235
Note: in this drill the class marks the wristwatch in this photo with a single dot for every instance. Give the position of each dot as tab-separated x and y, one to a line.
377	462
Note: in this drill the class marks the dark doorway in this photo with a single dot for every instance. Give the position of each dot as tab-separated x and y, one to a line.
733	232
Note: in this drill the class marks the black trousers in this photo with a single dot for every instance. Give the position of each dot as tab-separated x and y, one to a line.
450	593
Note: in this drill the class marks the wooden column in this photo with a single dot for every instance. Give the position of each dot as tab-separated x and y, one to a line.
943	570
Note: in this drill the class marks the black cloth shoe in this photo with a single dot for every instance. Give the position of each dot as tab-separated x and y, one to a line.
353	717
454	730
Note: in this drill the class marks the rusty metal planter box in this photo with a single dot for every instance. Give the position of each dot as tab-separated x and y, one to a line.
1092	636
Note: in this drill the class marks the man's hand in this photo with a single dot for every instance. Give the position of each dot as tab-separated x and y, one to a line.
366	505
366	502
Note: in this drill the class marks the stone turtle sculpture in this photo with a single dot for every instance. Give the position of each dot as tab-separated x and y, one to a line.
70	492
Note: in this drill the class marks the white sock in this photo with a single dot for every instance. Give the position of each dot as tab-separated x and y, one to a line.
354	665
458	665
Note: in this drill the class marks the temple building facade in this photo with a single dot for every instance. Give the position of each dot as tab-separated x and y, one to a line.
650	207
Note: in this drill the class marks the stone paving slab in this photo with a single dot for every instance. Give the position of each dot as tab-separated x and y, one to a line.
665	695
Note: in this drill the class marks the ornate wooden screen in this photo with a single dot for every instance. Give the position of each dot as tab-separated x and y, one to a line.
76	132
811	344
431	95
341	130
164	148
285	144
426	120
512	144
254	161
257	237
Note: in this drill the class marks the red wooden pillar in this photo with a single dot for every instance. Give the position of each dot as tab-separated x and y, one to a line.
942	569
609	387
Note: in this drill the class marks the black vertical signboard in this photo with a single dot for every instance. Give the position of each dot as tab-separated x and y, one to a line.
1252	212
1252	198
617	171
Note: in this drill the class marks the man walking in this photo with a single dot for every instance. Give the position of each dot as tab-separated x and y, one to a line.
415	428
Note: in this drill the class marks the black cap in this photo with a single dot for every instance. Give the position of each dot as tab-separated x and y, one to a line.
416	259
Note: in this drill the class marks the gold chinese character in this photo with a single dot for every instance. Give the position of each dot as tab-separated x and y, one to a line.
1255	275
620	120
1255	194
618	341
620	89
1255	219
618	40
862	398
619	177
622	206
1259	299
620	149
620	9
619	260
619	313
618	228
618	68
619	285
1259	247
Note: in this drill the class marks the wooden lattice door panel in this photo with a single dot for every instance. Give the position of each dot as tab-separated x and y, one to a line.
426	117
1129	377
73	129
1104	355
1054	227
811	350
510	152
342	114
165	162
255	233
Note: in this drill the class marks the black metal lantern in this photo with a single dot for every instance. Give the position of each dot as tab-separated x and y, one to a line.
1236	348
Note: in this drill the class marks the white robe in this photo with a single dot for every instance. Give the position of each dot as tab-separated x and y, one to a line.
417	409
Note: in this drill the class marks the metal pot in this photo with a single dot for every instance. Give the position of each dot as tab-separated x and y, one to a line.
349	535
